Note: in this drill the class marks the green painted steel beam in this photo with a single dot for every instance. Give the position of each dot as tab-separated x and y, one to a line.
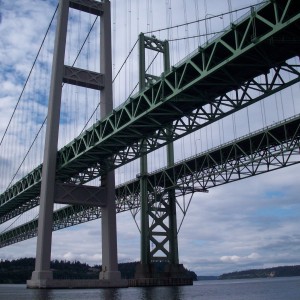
163	222
223	65
250	92
266	150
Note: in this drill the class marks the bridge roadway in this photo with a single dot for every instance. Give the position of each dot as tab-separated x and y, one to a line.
193	94
263	151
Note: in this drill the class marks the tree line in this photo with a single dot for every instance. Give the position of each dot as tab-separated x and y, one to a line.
282	271
19	270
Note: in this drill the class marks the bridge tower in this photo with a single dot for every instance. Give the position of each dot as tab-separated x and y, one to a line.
55	192
158	208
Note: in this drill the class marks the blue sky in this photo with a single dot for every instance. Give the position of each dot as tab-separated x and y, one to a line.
252	223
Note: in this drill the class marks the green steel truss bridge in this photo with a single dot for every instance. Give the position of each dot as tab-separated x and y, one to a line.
216	80
260	152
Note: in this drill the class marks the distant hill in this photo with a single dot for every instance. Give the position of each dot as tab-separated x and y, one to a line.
20	270
285	271
208	277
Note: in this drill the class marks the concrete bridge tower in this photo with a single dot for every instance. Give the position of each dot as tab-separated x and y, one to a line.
54	192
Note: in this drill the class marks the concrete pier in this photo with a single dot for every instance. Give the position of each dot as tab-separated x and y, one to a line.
42	276
148	275
144	282
76	284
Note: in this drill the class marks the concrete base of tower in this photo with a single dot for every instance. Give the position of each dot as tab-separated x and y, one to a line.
144	271
143	282
110	275
172	275
42	275
107	280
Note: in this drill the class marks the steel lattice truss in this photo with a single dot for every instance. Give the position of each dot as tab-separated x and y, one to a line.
270	149
250	92
212	82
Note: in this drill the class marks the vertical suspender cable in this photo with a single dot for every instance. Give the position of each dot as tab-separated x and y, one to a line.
187	43
230	9
35	60
248	119
198	23
114	39
129	41
205	10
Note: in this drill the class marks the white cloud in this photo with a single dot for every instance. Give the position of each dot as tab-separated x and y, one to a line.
254	256
238	259
233	258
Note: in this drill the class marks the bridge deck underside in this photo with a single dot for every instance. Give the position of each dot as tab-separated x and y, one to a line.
270	149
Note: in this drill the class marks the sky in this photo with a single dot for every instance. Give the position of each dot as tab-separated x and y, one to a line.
251	223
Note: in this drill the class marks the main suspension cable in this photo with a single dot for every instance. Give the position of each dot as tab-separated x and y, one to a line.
120	69
201	20
44	121
27	79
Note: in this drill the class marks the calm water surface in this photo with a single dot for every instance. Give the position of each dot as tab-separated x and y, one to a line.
253	289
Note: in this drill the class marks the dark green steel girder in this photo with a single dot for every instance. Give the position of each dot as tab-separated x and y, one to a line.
270	149
263	151
20	209
196	88
250	92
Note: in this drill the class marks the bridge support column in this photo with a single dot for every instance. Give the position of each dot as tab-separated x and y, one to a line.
158	208
42	270
42	277
109	233
109	227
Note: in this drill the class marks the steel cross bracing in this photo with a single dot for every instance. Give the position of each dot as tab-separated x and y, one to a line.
250	92
231	62
158	222
269	149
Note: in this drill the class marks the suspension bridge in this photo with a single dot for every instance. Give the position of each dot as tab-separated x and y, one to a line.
255	57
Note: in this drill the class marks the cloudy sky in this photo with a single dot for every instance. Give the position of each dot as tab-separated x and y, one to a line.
248	224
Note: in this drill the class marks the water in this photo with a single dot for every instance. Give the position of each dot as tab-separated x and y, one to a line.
251	289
